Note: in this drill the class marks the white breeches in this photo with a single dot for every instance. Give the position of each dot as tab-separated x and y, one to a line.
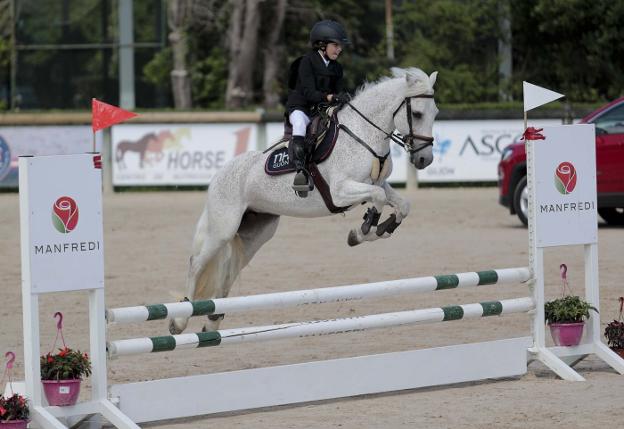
299	122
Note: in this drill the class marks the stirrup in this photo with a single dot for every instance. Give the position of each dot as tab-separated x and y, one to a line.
299	186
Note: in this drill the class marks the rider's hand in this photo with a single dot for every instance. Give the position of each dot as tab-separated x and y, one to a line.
341	98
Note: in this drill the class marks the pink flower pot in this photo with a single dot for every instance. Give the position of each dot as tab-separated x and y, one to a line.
13	424
61	392
567	334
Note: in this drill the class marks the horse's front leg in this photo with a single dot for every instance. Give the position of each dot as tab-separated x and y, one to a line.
401	209
349	193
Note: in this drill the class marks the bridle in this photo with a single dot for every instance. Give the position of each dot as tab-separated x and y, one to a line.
406	141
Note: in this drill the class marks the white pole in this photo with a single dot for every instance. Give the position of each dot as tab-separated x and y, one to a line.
316	328
316	296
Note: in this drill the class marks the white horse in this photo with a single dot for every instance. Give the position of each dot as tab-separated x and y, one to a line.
244	204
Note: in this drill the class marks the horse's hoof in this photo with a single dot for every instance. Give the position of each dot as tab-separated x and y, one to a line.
302	194
371	218
352	240
389	225
173	330
215	317
177	325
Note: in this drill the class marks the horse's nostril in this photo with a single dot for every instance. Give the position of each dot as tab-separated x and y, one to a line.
422	160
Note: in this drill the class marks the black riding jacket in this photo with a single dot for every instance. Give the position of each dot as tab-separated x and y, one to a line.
314	82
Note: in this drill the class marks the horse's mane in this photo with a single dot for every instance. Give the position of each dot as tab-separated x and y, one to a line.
422	78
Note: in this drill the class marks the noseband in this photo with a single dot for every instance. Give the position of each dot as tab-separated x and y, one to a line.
408	140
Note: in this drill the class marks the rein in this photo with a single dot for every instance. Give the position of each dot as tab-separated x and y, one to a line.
381	159
406	142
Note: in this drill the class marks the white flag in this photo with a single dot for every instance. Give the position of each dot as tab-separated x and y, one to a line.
535	96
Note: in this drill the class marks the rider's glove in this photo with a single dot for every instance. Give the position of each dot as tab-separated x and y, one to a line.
341	98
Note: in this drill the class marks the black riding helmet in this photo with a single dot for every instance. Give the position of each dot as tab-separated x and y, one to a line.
328	31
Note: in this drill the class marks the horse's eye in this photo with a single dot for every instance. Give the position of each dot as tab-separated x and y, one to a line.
417	115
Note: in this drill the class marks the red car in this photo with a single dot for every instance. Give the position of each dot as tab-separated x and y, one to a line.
609	122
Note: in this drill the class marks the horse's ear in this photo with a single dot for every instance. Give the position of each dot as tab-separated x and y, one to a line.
433	77
397	72
411	79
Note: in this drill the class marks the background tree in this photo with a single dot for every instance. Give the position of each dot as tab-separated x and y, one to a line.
236	53
179	14
5	52
570	45
242	39
273	53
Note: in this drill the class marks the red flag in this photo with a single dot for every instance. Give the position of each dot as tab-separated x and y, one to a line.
104	115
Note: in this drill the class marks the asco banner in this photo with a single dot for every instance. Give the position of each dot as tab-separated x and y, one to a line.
176	154
469	151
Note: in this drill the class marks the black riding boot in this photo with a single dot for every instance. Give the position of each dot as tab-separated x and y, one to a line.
303	182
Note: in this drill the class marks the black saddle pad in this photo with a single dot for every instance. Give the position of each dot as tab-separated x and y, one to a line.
278	161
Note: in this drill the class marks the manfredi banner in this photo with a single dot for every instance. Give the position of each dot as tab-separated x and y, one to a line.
565	191
61	222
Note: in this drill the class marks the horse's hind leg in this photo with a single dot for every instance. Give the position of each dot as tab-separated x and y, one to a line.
217	255
254	231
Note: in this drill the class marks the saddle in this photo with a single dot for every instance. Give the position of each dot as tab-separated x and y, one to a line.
323	131
321	135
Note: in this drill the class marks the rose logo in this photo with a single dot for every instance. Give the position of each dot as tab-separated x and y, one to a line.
565	178
65	215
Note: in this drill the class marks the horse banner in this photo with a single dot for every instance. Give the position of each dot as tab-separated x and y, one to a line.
176	154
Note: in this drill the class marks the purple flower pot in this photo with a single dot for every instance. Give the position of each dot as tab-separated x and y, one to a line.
61	392
13	424
567	334
620	352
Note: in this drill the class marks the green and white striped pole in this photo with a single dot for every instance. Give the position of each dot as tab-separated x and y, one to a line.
313	328
316	296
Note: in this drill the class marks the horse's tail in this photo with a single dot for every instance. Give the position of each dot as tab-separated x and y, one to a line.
223	268
216	275
227	236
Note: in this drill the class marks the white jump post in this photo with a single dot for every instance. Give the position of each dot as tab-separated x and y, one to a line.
565	217
62	256
561	182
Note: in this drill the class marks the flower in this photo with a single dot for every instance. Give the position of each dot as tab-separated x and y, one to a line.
615	334
14	408
568	309
67	364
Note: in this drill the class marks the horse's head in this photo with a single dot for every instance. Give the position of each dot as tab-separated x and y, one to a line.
414	117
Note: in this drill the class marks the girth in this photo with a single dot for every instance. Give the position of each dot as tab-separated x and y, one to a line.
323	188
